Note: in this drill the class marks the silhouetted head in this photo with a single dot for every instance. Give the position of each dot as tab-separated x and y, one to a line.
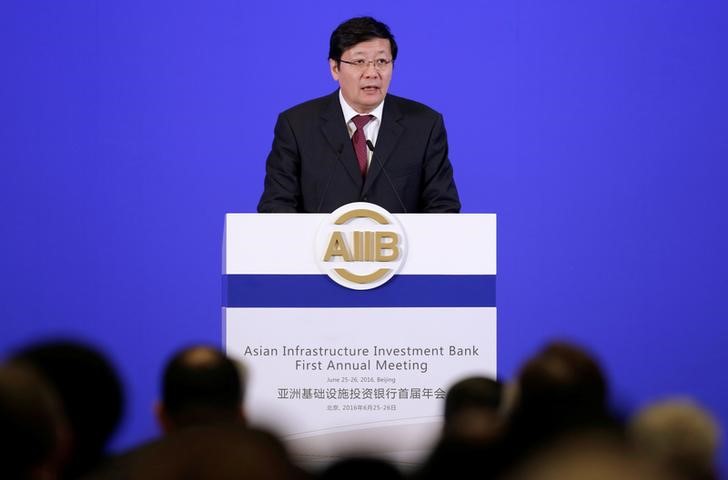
562	380
472	408
33	430
679	434
200	385
560	391
90	393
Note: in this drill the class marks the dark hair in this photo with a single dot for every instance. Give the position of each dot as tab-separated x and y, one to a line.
472	392
90	392
357	30
200	382
30	421
562	392
565	376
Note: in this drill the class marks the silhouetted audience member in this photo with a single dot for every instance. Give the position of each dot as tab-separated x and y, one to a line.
200	385
214	452
472	422
561	383
33	432
679	434
472	409
356	468
559	391
61	401
587	456
91	397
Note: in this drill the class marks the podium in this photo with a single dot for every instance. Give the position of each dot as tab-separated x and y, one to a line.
352	325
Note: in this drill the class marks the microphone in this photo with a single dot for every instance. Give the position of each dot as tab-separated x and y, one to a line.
381	167
328	182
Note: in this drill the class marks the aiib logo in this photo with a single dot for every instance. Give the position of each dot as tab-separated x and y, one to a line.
360	246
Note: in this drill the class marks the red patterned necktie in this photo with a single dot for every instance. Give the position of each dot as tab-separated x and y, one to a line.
359	140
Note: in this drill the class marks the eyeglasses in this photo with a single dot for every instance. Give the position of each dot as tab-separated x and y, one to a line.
379	64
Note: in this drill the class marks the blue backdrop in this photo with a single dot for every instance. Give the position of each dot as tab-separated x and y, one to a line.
596	130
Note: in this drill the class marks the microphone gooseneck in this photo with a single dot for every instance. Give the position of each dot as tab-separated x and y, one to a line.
386	175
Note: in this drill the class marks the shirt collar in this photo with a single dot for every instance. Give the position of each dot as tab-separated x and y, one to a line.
350	113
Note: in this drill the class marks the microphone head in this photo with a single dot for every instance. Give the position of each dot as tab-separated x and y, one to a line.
370	145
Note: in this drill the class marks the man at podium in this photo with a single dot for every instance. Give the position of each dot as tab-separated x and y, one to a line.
360	143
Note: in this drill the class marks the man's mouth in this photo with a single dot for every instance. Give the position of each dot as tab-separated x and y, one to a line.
370	89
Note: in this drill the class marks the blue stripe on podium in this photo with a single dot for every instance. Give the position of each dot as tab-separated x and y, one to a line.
320	291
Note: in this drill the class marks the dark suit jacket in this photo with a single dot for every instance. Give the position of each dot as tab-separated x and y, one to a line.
312	166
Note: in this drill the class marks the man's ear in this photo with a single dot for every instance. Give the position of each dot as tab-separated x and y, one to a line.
334	67
163	421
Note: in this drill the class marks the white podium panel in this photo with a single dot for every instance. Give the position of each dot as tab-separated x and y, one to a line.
336	371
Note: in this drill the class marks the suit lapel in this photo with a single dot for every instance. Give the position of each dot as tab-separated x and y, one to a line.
389	133
334	129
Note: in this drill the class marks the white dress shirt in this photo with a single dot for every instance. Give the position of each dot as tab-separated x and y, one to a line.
371	129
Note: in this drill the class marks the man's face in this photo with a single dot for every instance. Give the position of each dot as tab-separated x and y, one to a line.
364	87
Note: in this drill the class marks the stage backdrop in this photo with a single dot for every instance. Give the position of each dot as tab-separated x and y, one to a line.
596	130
